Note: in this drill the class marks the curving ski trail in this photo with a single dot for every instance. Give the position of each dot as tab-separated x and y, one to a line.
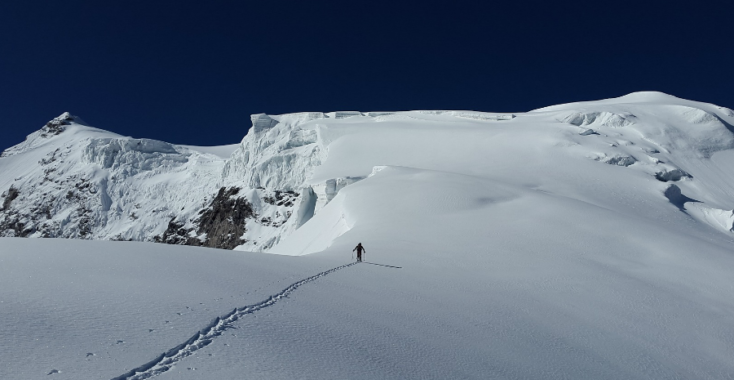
204	337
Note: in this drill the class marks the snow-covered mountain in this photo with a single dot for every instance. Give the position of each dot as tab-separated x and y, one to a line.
71	180
580	241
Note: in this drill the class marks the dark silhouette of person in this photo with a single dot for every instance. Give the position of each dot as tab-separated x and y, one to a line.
359	248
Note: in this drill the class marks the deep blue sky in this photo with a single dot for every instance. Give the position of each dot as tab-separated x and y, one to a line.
192	72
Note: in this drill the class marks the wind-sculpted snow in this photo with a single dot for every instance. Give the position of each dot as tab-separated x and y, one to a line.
205	336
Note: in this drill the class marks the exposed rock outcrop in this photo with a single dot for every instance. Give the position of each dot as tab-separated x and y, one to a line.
58	124
220	225
224	221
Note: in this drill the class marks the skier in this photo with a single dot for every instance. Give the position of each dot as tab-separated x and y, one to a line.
359	248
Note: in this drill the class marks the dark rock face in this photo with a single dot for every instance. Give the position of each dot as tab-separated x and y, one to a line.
57	125
224	220
672	175
282	198
223	223
177	234
22	215
12	194
13	223
14	227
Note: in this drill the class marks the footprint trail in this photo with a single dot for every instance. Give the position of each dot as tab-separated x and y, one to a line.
204	337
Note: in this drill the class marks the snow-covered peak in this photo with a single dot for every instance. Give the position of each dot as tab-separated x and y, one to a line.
66	124
648	97
65	118
60	124
637	99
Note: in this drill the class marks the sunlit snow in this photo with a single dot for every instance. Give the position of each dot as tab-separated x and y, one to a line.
580	241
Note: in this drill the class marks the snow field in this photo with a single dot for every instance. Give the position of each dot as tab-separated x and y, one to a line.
122	302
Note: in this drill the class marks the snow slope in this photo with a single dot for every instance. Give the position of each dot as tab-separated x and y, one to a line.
98	309
587	240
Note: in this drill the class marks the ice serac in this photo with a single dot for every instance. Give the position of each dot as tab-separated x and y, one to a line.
327	190
274	162
279	152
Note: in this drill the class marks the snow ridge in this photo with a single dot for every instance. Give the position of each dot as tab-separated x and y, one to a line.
204	337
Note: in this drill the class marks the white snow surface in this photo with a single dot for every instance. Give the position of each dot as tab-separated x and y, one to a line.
583	241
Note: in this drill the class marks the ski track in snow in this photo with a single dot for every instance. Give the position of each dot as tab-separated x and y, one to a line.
204	337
